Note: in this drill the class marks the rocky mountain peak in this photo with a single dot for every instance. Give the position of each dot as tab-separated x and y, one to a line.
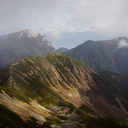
28	33
23	44
43	41
41	35
40	38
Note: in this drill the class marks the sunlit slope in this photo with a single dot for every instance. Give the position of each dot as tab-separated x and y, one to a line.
58	90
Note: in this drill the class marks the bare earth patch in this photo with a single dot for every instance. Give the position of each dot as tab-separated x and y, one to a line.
24	110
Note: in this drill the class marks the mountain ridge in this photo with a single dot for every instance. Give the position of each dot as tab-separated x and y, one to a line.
64	89
103	55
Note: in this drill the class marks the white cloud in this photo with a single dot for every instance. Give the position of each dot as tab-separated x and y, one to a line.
122	43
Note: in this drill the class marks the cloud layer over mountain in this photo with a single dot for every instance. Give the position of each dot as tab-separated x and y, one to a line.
122	43
58	17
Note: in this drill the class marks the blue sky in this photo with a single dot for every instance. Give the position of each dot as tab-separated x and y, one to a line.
61	20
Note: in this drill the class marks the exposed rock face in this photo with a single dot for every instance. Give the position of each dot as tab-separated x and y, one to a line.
73	94
110	55
27	33
23	44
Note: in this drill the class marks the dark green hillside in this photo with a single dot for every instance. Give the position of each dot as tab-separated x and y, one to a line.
95	54
121	60
102	55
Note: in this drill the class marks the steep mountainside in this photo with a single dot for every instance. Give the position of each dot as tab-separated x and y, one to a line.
111	55
59	92
22	44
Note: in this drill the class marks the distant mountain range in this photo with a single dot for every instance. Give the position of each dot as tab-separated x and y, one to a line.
23	44
62	50
58	91
111	55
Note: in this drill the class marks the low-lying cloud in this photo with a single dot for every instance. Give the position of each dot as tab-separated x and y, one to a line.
122	43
